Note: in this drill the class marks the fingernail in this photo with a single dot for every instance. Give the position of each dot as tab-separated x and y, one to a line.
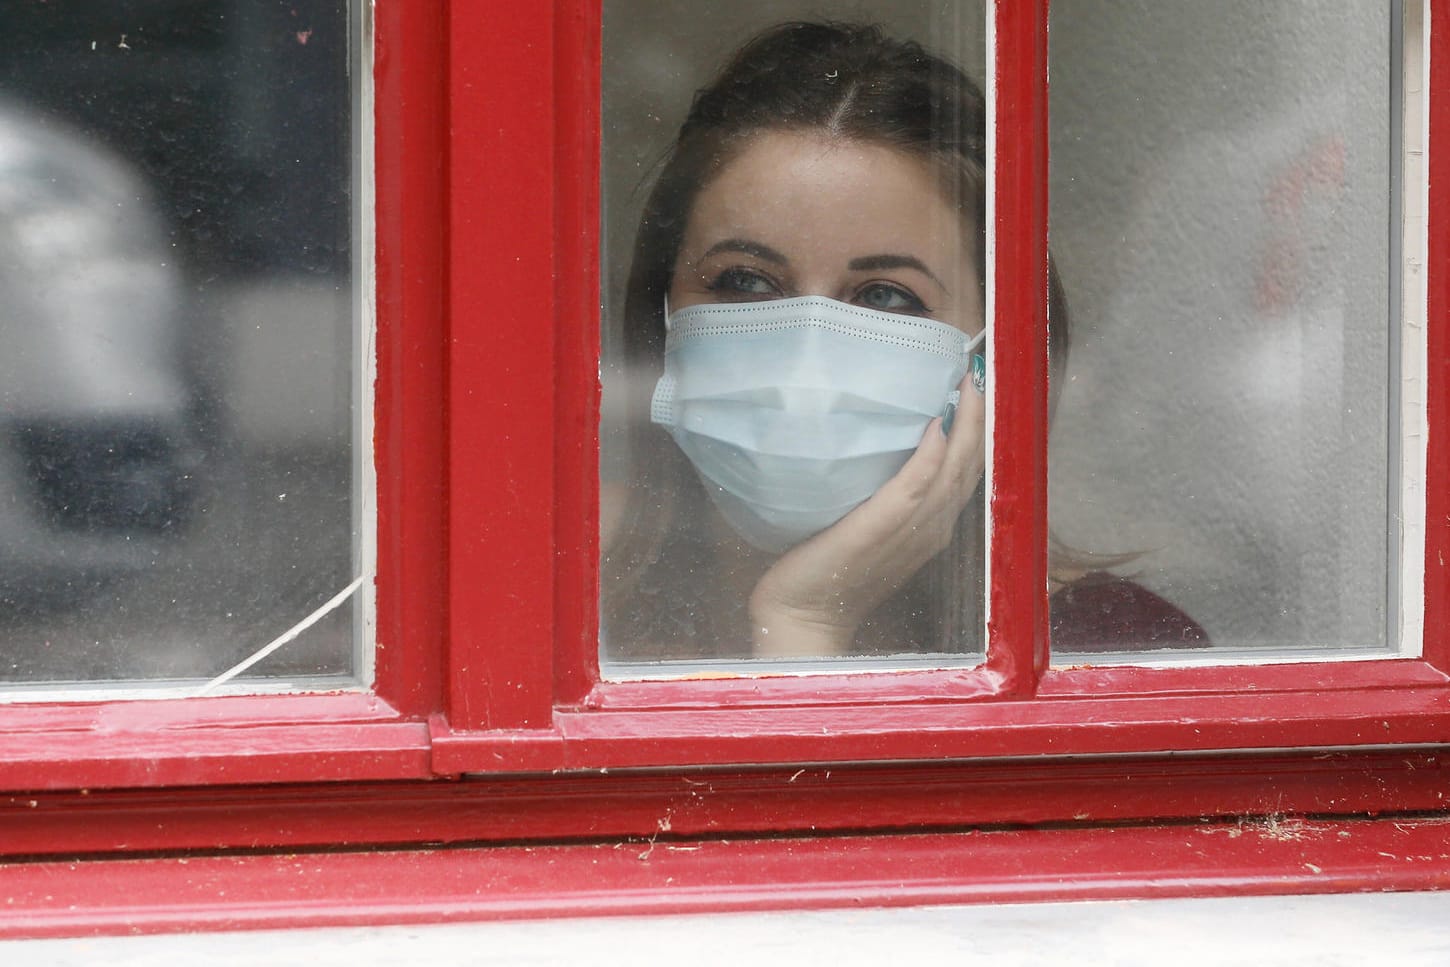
979	374
948	417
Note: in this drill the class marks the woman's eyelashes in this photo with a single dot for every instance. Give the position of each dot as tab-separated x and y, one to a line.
890	297
746	284
740	284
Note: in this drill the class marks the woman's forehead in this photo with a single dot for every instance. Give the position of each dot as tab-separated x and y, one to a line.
811	184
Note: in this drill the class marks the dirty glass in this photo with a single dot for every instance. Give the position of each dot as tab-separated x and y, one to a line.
817	233
179	385
1226	200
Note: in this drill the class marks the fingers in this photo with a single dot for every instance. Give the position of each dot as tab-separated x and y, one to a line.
841	574
966	445
913	482
943	468
968	429
926	494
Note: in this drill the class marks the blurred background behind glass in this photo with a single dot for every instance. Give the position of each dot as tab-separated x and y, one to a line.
177	352
1222	215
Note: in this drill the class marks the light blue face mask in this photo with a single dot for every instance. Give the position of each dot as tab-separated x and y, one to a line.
794	411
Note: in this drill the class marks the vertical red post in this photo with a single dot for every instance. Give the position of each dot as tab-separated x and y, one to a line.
501	357
1017	626
577	99
411	137
1437	335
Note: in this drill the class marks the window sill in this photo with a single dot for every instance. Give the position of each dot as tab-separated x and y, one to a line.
1257	856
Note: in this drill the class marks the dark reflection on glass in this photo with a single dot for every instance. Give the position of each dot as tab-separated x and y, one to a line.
176	386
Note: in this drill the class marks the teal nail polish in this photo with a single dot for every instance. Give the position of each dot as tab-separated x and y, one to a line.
948	417
979	374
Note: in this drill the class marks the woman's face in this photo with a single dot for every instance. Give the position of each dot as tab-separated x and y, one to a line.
800	213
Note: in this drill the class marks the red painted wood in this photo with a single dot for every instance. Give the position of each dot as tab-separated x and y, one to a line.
411	121
501	347
519	575
1018	611
1114	711
672	876
723	802
576	440
1083	681
1437	334
181	742
518	579
263	755
722	690
1087	681
834	734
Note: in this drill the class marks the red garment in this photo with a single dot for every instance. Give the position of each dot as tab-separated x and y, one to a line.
1102	612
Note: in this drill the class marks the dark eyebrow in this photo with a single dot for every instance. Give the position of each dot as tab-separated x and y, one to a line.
870	263
764	252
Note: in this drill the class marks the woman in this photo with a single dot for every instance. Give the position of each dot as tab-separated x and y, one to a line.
815	243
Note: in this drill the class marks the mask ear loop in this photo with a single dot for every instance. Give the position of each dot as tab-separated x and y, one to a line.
667	311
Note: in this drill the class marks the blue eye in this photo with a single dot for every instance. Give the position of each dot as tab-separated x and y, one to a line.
742	284
885	297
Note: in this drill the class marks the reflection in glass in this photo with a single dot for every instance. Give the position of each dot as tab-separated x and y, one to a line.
177	388
1222	212
813	240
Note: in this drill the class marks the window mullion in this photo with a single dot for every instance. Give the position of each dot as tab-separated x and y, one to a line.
501	367
1437	291
411	134
1017	626
578	54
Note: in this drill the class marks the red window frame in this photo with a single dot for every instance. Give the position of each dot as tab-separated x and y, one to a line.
551	701
487	129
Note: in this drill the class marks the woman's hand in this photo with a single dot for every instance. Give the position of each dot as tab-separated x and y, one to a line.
814	598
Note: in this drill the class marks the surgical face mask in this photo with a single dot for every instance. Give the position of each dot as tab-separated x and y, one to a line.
794	411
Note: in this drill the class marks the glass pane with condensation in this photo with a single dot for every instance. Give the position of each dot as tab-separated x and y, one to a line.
1225	221
818	232
179	383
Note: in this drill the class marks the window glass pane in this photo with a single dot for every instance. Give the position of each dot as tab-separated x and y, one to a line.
177	387
1225	222
818	232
